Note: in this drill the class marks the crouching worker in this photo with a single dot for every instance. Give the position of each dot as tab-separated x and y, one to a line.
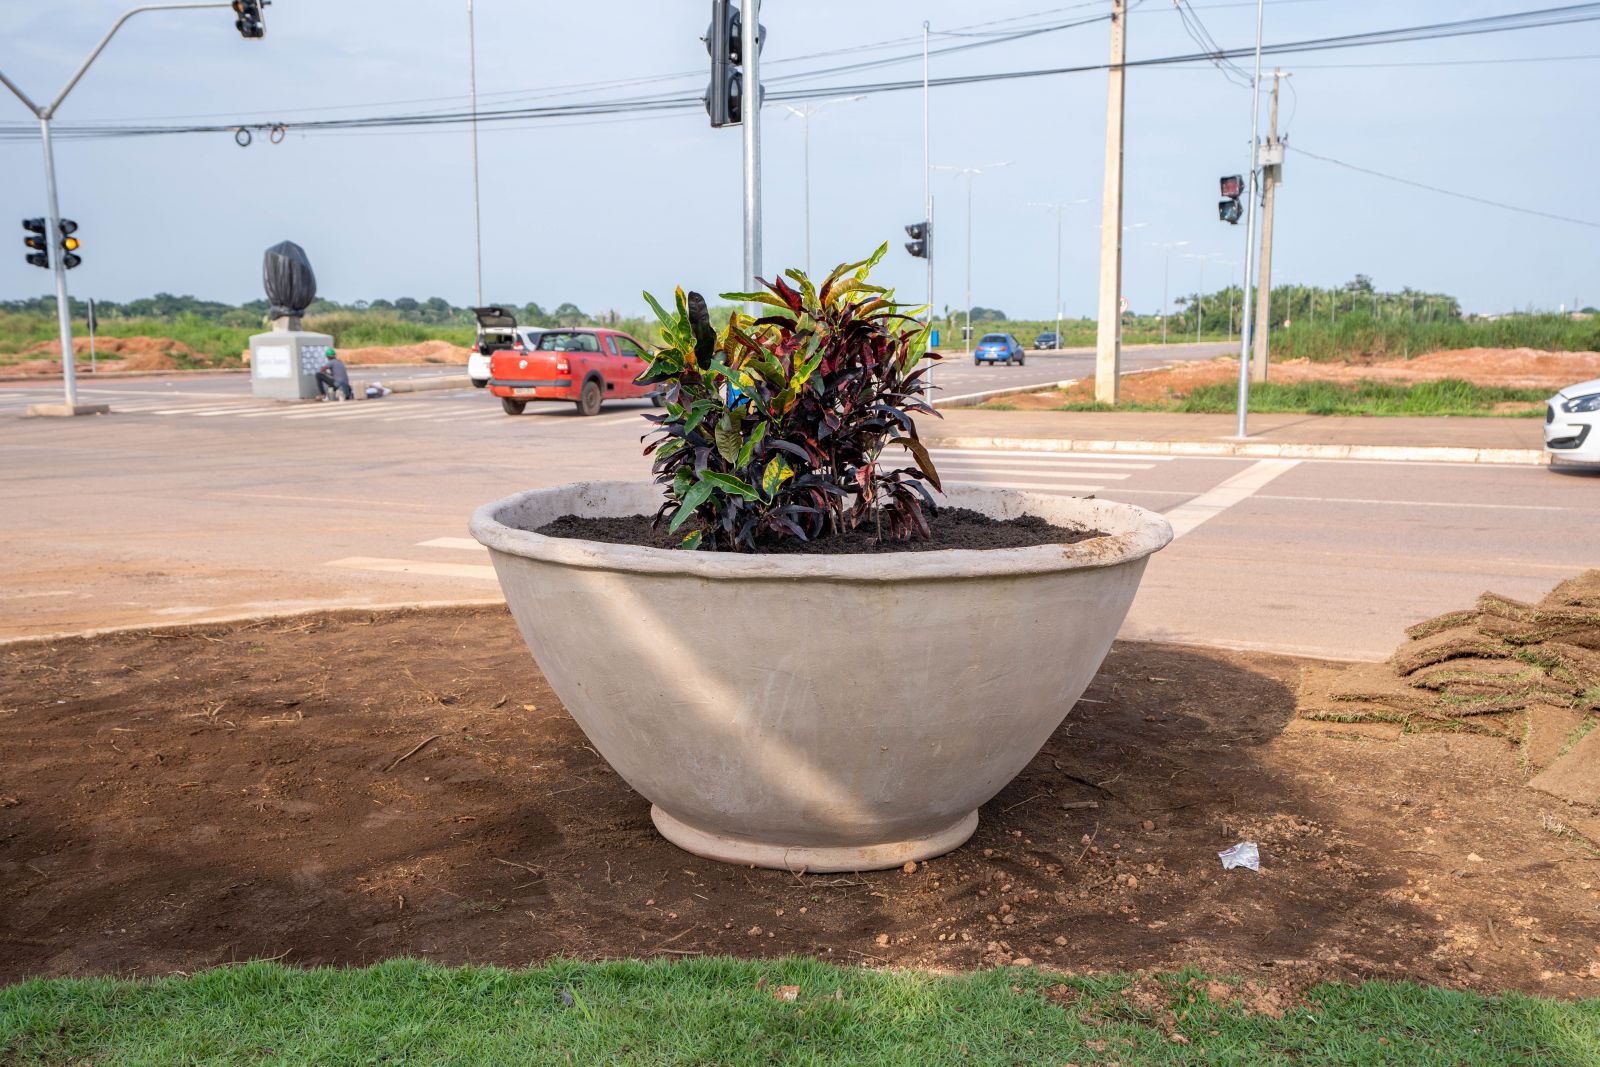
333	379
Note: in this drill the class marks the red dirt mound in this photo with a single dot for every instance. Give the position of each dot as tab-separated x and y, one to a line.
1519	368
422	352
126	353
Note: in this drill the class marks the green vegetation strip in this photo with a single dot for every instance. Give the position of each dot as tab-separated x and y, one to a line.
720	1011
1449	396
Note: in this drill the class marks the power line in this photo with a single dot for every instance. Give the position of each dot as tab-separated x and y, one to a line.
1444	192
1570	14
1201	36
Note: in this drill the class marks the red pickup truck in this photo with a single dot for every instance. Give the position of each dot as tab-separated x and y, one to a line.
585	366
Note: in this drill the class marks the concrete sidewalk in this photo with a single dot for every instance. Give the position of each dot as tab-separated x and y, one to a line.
1438	439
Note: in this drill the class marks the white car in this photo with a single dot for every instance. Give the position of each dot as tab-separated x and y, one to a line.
1572	424
497	330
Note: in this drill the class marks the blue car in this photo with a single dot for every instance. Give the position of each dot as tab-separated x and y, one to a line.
997	348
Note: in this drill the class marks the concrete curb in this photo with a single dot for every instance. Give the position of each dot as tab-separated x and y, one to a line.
397	607
420	385
1526	457
972	400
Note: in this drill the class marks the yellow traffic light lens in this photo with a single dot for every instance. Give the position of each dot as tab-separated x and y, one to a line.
70	244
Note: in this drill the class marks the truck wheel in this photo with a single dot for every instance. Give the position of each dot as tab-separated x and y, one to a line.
480	383
589	400
513	406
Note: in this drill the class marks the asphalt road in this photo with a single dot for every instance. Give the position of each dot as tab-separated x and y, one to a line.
192	503
956	376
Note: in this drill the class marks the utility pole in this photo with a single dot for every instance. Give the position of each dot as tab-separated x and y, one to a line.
1270	176
1108	338
1250	235
750	125
44	114
477	215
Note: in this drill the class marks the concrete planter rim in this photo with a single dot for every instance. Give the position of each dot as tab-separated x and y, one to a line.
1132	533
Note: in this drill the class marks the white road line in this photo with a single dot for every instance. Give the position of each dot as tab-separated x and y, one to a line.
465	543
287	408
189	410
336	414
206	413
406	566
1003	470
1421	503
1020	463
1060	487
1129	457
1186	517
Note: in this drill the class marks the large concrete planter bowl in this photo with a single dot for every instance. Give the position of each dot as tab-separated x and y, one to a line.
825	713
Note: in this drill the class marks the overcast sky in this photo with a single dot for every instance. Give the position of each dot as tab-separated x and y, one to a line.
593	212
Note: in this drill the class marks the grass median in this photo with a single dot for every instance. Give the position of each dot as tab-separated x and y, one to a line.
1449	396
722	1011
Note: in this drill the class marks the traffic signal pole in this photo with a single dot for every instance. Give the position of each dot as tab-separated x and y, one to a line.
58	264
1108	338
54	237
1250	236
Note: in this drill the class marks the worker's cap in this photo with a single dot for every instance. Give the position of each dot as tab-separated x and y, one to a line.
329	353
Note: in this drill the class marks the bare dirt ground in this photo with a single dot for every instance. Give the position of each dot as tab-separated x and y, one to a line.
1520	368
120	353
423	352
342	789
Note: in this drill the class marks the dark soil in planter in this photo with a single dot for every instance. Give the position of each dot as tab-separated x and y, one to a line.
340	789
951	527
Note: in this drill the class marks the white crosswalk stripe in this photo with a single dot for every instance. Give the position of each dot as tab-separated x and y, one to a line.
434	566
1050	472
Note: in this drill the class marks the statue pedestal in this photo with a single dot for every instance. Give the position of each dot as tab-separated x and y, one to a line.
284	363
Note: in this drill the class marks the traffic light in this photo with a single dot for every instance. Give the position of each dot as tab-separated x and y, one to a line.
36	240
724	95
921	243
250	22
1228	209
69	244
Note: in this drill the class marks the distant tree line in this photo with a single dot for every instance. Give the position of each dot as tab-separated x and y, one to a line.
434	311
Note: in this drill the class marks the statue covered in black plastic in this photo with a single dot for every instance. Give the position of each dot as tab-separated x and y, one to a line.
290	284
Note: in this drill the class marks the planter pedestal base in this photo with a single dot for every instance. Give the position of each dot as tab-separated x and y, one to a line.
797	858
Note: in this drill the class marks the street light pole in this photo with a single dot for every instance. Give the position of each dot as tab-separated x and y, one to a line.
927	191
477	215
969	173
1166	272
57	254
750	126
804	113
966	341
1059	207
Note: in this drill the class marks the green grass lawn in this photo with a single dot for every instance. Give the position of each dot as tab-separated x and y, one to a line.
720	1011
1449	396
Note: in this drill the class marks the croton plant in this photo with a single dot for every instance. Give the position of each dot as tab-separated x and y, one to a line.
776	428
